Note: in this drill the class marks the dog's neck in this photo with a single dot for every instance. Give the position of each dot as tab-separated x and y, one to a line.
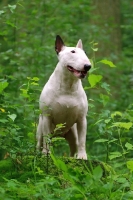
66	80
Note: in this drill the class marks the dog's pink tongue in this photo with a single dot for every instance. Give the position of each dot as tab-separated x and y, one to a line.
76	71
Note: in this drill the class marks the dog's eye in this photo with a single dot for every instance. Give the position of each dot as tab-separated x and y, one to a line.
73	51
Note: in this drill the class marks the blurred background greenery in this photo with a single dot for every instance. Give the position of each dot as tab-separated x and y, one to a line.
27	36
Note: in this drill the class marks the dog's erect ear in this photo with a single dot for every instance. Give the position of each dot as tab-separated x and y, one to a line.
79	44
58	44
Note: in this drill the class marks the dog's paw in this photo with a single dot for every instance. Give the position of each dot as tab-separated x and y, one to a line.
82	155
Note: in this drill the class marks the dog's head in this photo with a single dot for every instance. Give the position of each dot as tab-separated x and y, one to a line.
73	58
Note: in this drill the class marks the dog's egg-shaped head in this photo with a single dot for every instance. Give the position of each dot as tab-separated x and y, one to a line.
73	58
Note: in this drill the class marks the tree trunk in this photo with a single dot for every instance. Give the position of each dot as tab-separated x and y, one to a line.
105	20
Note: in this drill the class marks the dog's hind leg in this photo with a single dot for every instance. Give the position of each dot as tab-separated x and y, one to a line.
43	130
39	135
72	138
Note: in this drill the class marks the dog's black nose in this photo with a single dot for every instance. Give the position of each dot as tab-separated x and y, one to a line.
87	67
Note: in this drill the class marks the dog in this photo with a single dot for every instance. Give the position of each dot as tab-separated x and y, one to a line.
63	100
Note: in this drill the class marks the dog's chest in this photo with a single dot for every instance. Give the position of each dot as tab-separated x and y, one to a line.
67	109
66	104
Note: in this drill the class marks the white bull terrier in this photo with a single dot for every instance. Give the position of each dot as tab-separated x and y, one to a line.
63	99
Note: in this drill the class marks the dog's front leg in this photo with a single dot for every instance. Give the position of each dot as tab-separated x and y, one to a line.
43	129
81	129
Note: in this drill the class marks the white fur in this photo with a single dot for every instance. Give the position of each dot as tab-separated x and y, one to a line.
63	100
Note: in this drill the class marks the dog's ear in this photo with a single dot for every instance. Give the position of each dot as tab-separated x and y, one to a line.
79	44
58	44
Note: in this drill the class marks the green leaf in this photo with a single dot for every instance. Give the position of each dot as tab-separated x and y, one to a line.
100	120
12	8
2	191
94	79
116	113
107	121
59	127
126	125
107	62
35	79
12	116
11	24
106	87
101	140
122	180
29	78
94	49
24	93
54	159
3	121
61	165
12	184
3	85
129	146
92	63
130	165
97	172
113	140
104	99
114	155
1	12
34	83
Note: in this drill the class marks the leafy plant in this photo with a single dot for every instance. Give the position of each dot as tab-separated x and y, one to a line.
27	58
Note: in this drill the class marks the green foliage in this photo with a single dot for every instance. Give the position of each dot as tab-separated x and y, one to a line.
27	58
70	179
3	85
107	62
94	79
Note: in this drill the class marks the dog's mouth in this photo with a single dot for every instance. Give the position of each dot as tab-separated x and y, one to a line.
77	73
